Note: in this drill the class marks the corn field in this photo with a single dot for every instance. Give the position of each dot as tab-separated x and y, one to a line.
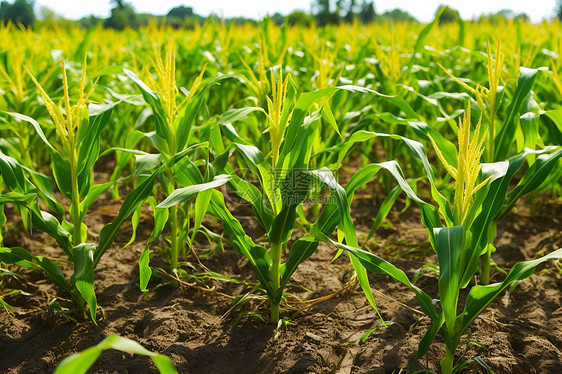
355	199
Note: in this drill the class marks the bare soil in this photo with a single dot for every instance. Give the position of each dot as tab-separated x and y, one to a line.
197	326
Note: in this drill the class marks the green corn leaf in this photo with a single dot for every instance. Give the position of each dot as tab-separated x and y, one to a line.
423	35
158	142
480	297
109	70
251	152
328	116
47	223
215	138
301	249
79	363
181	195
135	221
504	139
95	192
160	219
123	157
429	214
251	194
449	247
44	189
493	198
18	198
145	272
82	48
89	148
258	256
380	266
447	148
201	206
133	200
418	151
18	254
146	163
534	176
187	118
7	307
552	119
430	334
35	125
162	129
187	173
62	173
346	224
83	277
293	134
13	176
294	189
530	125
233	115
494	204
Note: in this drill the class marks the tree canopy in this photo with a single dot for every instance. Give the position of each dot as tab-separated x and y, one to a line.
21	11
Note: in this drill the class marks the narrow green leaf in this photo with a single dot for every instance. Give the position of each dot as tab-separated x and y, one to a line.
504	139
187	118
480	297
83	277
145	272
35	125
79	363
17	254
251	152
233	115
449	247
294	189
181	195
133	200
423	35
94	193
377	265
257	255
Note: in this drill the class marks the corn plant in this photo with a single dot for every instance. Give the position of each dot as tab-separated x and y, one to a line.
479	195
284	176
174	117
72	161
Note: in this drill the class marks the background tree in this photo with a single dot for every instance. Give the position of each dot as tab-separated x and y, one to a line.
300	18
449	15
522	17
90	22
398	15
278	18
181	12
367	13
502	16
351	12
323	13
21	11
182	16
122	15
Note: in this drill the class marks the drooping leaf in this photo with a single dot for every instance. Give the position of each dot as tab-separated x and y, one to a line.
79	363
83	277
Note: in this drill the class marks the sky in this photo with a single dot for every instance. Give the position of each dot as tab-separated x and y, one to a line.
423	10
